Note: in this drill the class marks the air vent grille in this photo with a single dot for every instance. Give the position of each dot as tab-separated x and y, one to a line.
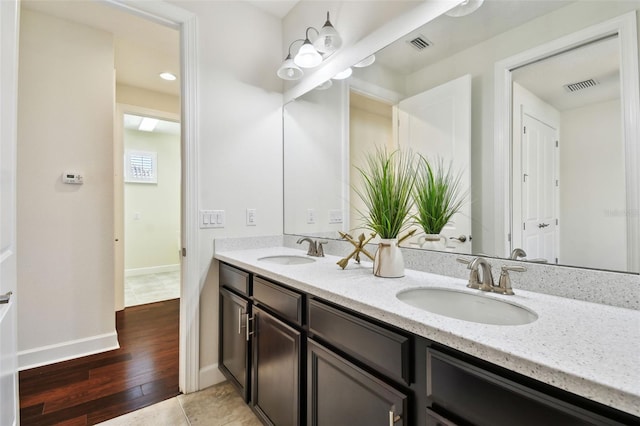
581	85
420	42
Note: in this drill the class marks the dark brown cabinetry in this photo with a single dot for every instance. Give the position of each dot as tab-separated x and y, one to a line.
340	393
234	342
277	353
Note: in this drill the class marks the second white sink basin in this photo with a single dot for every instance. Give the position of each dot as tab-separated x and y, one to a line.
287	259
467	306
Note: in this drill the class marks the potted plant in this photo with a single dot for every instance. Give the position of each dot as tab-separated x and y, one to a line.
437	196
388	180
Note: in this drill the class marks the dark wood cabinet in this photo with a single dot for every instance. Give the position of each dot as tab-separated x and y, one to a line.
276	370
474	395
234	343
340	393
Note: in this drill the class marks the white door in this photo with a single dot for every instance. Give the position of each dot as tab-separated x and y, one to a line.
9	12
539	189
437	124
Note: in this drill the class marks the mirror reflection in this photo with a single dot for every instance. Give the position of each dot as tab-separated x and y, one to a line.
567	203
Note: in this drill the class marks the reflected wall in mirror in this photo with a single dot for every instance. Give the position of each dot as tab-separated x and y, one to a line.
473	45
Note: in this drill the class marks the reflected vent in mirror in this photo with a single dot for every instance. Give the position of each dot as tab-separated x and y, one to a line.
581	85
420	42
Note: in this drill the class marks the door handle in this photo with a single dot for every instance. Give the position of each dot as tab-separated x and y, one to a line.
247	327
240	326
5	297
461	238
393	418
543	225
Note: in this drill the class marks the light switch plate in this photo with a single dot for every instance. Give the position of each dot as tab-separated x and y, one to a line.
335	216
251	217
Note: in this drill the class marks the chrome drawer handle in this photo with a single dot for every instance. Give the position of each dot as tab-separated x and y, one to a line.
393	418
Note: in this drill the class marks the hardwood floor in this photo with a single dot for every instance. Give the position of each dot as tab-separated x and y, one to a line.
95	388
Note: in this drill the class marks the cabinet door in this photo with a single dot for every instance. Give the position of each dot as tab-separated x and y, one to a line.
233	343
276	370
339	393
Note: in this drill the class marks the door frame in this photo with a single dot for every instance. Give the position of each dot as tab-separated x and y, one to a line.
184	21
624	27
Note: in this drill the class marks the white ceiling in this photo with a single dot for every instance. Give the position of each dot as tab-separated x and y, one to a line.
598	61
277	8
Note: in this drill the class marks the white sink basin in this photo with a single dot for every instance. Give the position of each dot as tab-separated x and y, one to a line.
286	259
467	306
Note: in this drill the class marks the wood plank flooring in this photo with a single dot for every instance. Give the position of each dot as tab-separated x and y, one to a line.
89	390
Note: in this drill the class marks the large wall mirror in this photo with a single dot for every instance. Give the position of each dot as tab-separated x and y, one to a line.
549	150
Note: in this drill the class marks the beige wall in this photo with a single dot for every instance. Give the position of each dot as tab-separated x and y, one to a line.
65	232
137	96
152	211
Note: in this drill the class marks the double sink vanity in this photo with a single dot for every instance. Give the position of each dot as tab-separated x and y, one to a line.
306	342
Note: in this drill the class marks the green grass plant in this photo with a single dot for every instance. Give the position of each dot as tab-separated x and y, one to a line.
437	195
388	180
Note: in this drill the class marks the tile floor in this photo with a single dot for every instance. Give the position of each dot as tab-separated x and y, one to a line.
219	405
141	289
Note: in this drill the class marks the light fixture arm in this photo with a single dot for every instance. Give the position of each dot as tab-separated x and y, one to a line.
306	33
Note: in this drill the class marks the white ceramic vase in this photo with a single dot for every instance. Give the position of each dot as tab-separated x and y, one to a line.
388	261
433	241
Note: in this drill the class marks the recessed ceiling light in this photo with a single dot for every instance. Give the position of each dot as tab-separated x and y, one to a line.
167	76
148	124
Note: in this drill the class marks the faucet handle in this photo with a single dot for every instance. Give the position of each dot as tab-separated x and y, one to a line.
504	283
474	282
320	249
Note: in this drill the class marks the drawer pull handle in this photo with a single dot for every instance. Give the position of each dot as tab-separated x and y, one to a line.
247	327
393	418
240	326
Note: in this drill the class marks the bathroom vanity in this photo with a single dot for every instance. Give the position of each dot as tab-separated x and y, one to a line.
309	343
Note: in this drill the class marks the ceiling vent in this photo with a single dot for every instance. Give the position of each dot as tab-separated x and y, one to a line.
420	42
581	85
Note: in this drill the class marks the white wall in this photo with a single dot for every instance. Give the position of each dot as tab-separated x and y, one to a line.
152	211
591	179
479	61
314	171
65	232
240	139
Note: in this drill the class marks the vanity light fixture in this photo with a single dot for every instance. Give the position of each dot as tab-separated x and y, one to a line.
366	61
465	8
324	86
310	54
289	70
343	74
167	76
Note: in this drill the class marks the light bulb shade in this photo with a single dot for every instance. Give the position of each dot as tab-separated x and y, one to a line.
366	61
289	70
328	40
465	8
343	74
324	86
308	56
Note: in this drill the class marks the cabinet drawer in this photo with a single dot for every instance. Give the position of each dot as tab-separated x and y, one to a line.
481	397
282	301
234	278
378	347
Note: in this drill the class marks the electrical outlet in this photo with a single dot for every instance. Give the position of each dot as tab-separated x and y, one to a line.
251	217
335	216
311	216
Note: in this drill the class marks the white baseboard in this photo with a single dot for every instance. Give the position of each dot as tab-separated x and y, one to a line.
210	375
151	270
46	355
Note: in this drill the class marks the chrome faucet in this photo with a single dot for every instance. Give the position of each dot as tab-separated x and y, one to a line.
516	253
485	282
315	247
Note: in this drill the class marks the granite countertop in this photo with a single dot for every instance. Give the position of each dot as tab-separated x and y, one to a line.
589	349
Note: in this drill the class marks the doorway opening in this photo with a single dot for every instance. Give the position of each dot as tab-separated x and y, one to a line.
151	208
